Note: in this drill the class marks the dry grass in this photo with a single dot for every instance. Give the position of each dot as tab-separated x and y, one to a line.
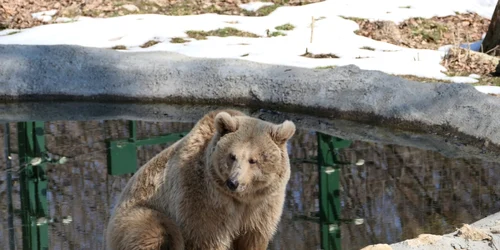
367	48
460	61
264	11
17	14
422	79
275	33
489	81
286	26
311	55
149	43
178	40
435	32
224	32
424	33
119	47
13	33
355	19
326	67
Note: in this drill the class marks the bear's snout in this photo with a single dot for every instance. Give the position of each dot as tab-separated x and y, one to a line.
232	184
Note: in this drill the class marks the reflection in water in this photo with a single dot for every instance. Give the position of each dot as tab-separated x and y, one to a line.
399	191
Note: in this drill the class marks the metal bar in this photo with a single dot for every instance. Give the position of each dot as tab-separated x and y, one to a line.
132	131
33	183
160	139
329	194
30	239
122	158
41	186
10	206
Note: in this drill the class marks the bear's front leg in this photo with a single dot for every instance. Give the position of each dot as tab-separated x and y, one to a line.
251	240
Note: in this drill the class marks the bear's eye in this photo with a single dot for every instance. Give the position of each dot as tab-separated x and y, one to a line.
252	161
232	157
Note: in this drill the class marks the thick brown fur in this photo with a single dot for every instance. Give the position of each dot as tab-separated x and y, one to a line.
181	198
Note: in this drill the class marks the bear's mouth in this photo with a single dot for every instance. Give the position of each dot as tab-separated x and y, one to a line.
241	188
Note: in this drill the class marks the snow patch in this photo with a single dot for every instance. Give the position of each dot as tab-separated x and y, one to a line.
489	89
44	16
475	76
254	6
332	35
7	32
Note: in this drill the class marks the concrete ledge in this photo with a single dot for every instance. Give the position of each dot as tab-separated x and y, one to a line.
40	73
449	146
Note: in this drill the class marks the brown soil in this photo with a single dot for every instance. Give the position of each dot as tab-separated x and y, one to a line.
17	13
464	62
423	33
412	33
435	32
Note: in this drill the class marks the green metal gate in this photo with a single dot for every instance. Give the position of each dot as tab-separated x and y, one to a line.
33	181
122	159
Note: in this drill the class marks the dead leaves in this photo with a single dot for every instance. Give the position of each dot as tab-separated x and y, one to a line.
462	60
17	14
432	33
429	33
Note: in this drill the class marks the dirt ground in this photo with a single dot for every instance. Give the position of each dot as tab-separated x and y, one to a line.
432	33
17	13
418	33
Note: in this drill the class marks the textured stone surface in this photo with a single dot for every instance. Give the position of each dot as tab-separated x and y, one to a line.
452	111
455	240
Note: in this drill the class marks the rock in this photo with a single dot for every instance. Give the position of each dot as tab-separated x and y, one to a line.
495	230
130	7
57	5
377	247
472	233
424	239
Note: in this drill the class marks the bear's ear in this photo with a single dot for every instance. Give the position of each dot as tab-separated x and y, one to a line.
283	132
224	123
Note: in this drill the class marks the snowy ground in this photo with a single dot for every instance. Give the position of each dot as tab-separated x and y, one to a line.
332	35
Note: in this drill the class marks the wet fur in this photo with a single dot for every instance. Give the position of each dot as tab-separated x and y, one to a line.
179	199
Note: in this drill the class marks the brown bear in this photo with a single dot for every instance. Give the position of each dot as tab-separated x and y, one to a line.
220	187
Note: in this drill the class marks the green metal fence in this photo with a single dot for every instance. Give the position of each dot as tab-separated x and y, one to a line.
122	159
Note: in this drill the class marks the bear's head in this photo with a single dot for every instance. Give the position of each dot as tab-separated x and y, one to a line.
248	156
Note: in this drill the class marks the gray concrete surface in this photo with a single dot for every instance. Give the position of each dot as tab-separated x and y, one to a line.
454	119
452	111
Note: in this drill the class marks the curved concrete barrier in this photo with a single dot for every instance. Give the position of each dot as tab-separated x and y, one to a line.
371	97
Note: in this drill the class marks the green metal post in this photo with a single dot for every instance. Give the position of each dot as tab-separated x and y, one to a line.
329	200
132	131
33	182
122	154
329	190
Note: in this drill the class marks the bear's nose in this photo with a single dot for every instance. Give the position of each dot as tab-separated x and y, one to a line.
232	184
